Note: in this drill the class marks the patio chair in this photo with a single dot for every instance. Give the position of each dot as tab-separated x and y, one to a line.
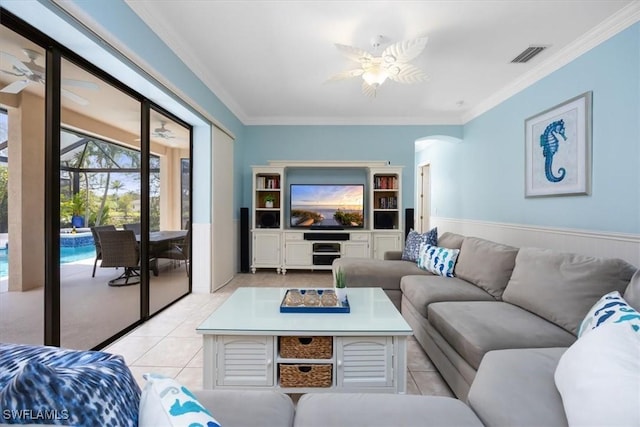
136	227
179	251
96	241
120	249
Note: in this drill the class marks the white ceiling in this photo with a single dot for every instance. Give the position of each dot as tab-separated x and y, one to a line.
268	61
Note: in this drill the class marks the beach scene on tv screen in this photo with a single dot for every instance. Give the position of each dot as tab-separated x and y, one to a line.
327	205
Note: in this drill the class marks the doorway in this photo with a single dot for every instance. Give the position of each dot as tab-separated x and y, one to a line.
424	198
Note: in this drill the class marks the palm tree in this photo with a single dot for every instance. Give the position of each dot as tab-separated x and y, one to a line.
116	185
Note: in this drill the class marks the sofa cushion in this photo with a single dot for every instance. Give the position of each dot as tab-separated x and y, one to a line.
438	260
632	293
266	407
562	287
473	328
421	291
98	393
599	378
611	308
516	388
486	264
414	240
375	409
450	240
166	402
361	272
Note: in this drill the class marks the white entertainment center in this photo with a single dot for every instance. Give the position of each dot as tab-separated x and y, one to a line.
277	245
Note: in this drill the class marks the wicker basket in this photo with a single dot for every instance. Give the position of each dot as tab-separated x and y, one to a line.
306	347
305	375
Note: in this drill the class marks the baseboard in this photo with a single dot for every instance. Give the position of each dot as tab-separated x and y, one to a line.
591	243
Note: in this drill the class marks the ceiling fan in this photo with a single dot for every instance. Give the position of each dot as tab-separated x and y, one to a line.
392	63
162	131
34	73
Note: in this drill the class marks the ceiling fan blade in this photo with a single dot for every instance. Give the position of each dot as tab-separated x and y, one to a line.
15	87
369	90
346	75
15	63
404	51
407	73
80	83
11	73
72	96
354	53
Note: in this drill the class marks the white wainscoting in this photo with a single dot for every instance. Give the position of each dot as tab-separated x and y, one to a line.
201	258
598	244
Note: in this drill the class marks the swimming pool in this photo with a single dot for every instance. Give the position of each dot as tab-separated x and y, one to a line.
67	254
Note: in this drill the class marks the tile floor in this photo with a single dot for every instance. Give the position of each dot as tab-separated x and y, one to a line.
168	343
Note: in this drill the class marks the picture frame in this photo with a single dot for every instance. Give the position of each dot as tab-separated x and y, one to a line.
558	149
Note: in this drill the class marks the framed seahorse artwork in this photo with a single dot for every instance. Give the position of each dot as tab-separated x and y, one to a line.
558	149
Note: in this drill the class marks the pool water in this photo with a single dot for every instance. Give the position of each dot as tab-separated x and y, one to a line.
67	255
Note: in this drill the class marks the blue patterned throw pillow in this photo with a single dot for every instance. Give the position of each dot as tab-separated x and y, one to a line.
102	393
438	260
165	402
13	357
611	308
414	240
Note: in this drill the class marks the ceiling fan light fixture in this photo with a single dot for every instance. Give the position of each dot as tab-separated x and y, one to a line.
375	76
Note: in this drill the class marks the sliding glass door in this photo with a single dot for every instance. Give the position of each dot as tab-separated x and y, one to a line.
100	186
169	210
95	198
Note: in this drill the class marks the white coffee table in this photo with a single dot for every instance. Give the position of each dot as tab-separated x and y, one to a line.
369	344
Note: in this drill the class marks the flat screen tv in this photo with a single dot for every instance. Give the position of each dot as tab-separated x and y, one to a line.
327	205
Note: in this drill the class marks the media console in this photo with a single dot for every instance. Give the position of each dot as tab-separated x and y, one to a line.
273	245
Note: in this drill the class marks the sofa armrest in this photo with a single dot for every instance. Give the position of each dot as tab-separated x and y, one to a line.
393	255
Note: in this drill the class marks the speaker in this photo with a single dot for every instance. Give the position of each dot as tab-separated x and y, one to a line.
268	220
408	221
244	240
326	236
382	220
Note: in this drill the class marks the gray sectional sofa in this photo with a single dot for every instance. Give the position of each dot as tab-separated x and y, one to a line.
513	311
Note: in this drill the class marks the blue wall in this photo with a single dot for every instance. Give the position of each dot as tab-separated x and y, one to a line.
482	178
395	144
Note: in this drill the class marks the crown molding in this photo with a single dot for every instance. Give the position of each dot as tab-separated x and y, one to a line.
356	121
618	22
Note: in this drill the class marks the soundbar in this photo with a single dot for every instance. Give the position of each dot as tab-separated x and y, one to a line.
326	236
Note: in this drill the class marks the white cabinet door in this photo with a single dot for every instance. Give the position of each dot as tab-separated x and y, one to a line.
364	362
355	250
245	360
266	250
297	253
357	246
383	242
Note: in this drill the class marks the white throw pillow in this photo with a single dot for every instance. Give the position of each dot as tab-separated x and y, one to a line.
598	378
437	260
165	402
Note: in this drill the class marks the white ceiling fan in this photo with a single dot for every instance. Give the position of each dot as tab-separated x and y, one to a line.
34	73
162	131
392	63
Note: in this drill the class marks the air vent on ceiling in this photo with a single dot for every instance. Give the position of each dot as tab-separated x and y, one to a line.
527	54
